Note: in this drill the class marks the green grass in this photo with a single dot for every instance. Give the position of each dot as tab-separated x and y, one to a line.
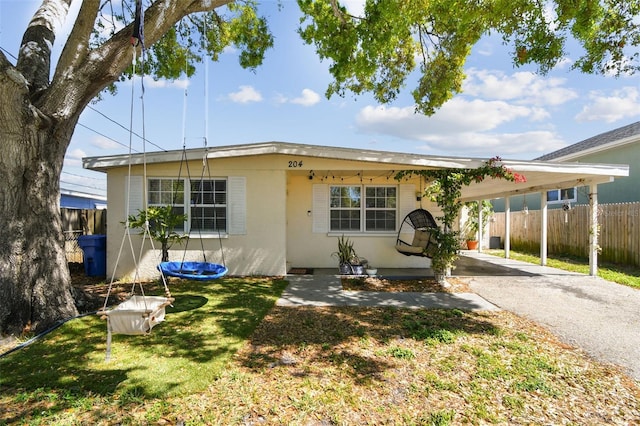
226	355
209	321
621	274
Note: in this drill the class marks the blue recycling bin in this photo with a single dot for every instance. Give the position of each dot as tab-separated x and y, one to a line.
95	254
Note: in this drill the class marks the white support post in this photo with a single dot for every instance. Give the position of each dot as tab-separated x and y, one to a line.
480	218
507	227
593	230
543	229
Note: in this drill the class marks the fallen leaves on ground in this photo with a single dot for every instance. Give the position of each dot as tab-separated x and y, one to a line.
423	285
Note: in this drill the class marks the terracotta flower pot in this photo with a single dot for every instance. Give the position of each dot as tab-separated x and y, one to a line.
472	244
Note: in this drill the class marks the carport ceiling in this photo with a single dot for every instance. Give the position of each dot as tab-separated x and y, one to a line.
543	176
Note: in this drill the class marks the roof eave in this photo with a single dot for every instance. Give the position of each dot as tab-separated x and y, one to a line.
410	160
595	149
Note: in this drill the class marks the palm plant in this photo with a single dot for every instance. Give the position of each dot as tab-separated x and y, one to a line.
162	222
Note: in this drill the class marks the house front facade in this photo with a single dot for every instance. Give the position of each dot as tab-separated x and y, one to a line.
261	209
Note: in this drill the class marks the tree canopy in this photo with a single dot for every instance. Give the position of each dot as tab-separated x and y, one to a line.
379	50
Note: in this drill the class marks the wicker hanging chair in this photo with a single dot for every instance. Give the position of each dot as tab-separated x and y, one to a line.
420	225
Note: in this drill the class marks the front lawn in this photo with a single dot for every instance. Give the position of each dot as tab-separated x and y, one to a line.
226	355
207	324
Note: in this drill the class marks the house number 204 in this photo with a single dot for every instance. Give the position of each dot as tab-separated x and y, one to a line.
295	164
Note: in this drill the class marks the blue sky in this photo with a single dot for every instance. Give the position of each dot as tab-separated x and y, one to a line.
513	113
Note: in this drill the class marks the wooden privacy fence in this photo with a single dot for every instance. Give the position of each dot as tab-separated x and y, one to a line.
76	222
568	231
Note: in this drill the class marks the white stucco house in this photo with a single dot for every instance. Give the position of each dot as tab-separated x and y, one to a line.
281	205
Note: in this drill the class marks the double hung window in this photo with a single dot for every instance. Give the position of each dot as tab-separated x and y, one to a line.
204	202
362	208
167	192
209	205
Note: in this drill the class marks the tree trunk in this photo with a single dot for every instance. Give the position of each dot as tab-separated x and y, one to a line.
35	285
165	251
37	118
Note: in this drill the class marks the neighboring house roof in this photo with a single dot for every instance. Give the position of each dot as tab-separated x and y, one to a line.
540	175
613	138
81	200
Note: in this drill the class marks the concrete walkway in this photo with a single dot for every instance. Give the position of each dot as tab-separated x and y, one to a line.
326	290
598	316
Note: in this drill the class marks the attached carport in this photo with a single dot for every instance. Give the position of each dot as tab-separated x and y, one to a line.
542	177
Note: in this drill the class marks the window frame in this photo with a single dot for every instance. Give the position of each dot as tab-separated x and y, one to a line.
559	199
187	205
214	205
162	191
363	209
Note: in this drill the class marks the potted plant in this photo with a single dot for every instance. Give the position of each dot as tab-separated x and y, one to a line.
445	190
348	261
371	271
472	226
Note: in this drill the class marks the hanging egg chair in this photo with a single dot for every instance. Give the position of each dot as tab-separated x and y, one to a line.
420	226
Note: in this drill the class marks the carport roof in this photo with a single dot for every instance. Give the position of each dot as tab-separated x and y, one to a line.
540	175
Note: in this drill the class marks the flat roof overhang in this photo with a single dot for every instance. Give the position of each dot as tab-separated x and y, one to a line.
540	175
543	176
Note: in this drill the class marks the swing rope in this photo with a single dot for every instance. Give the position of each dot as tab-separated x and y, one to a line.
199	199
147	313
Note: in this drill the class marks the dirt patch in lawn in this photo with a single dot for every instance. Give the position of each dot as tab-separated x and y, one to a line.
422	285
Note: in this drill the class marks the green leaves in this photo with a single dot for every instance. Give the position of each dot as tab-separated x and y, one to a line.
445	189
202	35
393	42
162	222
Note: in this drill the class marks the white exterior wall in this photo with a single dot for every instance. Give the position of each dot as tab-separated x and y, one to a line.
260	250
278	231
309	246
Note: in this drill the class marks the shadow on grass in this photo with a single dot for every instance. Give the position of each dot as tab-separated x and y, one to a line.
325	335
206	325
187	302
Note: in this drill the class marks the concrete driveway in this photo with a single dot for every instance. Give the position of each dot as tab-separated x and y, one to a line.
601	317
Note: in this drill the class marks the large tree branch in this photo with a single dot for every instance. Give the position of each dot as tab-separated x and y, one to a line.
34	58
77	45
105	64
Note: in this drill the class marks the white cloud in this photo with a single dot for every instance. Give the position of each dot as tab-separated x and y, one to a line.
76	153
463	127
162	83
103	142
456	116
523	87
73	158
564	63
484	49
308	98
511	145
245	95
616	106
354	7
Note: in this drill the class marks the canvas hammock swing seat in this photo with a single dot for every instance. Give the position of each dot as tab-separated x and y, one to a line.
421	226
140	312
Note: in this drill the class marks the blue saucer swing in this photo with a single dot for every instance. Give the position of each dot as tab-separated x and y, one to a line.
194	270
200	271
